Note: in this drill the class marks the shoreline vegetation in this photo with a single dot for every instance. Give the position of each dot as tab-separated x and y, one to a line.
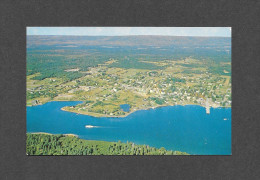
69	144
44	133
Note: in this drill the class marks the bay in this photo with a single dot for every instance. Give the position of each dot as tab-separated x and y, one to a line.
181	128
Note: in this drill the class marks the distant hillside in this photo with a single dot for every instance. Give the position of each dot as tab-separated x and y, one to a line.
161	41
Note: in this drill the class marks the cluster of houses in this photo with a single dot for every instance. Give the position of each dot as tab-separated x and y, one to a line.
204	89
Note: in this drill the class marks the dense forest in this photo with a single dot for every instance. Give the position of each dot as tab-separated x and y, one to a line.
46	144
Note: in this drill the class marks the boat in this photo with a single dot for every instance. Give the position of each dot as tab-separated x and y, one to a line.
89	126
225	119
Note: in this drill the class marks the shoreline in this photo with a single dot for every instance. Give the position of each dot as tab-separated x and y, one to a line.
53	101
93	114
70	135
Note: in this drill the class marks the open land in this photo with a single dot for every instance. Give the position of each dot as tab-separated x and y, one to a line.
141	77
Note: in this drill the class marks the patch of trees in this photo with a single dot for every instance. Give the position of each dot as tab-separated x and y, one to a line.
32	95
159	101
44	144
174	80
221	69
191	71
54	65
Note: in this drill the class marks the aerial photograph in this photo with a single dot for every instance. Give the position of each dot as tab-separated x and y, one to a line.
128	91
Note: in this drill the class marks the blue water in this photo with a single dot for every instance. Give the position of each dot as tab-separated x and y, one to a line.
183	128
125	107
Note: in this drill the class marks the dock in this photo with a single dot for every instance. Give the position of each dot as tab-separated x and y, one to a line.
208	110
207	106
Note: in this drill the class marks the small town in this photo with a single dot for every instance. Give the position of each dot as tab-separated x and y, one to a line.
102	89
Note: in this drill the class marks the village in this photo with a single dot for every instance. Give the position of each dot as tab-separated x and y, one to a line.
102	89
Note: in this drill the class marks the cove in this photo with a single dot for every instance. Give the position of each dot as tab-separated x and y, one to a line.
125	107
181	128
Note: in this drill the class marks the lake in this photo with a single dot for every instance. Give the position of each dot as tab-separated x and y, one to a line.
181	128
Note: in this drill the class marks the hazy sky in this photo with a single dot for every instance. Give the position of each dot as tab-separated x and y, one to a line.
122	31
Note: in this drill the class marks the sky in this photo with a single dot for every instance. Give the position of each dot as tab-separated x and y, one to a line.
126	31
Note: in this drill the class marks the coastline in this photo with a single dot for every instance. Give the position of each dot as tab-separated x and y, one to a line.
105	115
53	101
70	135
93	114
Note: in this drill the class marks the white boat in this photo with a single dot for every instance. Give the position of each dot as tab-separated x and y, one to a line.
225	119
89	126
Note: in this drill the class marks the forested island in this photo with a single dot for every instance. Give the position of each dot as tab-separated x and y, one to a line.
47	144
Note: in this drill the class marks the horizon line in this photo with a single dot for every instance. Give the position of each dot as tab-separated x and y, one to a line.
124	35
